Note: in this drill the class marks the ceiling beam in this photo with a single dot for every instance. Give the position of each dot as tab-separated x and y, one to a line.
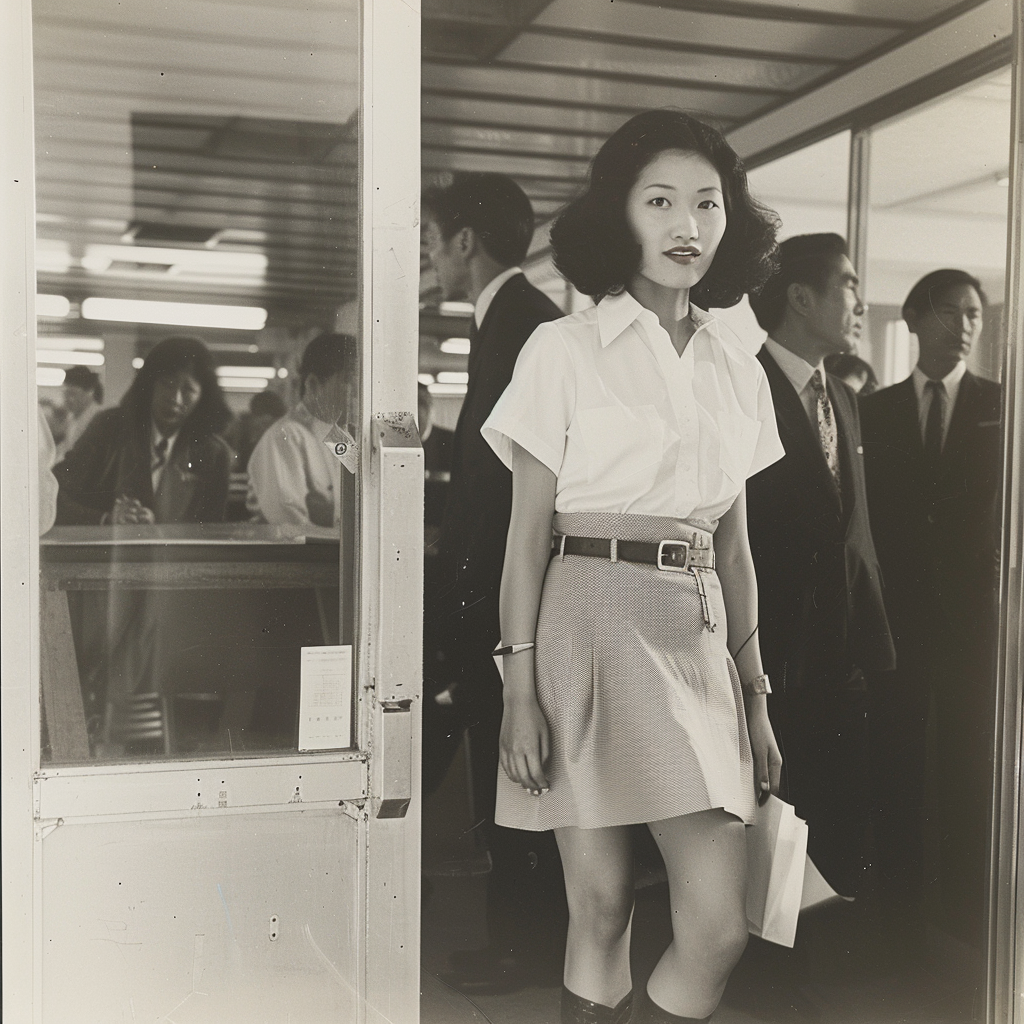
901	77
777	12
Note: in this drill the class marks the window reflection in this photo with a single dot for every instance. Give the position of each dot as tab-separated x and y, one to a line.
196	235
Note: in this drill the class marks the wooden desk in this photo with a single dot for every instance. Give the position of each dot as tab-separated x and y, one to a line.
216	556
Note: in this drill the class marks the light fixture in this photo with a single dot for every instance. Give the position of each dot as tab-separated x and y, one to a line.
64	341
263	372
175	314
52	305
447	389
243	383
136	258
453	377
52	256
282	372
68	357
49	376
137	363
456	308
425	378
455	346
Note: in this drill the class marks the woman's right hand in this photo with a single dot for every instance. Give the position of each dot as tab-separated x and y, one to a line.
525	743
130	512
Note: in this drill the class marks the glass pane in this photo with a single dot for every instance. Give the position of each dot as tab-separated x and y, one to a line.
936	202
198	363
933	461
808	190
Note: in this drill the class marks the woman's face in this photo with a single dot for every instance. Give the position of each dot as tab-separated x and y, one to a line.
175	396
677	214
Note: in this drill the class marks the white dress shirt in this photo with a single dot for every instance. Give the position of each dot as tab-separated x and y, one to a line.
799	373
951	382
289	461
486	297
626	424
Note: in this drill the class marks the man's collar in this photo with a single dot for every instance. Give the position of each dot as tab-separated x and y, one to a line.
486	297
796	369
616	312
951	381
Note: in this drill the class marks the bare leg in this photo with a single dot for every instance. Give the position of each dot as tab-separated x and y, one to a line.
706	858
598	866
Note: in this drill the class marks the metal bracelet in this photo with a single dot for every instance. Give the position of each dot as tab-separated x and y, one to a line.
756	686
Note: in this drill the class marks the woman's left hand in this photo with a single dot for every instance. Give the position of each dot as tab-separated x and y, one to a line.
765	750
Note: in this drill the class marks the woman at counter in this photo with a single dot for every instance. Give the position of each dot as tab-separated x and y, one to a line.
156	457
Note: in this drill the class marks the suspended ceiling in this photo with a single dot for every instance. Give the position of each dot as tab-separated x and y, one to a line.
235	120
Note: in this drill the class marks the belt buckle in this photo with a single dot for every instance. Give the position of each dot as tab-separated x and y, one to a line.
684	544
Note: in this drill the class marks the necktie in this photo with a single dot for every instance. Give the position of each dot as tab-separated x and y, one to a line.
827	433
159	454
933	424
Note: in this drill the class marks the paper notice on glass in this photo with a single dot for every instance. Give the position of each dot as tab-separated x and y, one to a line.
325	698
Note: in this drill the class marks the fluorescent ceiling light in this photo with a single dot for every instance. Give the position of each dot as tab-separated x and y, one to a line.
265	372
456	308
455	346
447	389
52	256
49	376
453	377
52	305
68	357
425	378
98	258
175	314
65	341
232	346
242	383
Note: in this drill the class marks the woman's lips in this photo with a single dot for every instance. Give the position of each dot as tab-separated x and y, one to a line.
683	255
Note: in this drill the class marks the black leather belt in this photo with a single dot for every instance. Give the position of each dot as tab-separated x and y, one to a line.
667	555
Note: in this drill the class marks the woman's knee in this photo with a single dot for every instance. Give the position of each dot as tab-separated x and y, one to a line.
602	910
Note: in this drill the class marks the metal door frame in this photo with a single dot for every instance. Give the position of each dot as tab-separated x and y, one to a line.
389	564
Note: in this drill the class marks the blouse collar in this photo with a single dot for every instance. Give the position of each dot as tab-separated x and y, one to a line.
617	312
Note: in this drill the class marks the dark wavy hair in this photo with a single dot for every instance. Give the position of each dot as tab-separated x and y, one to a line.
174	355
595	248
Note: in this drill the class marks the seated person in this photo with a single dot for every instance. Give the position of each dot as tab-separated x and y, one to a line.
852	370
156	457
83	396
294	477
244	432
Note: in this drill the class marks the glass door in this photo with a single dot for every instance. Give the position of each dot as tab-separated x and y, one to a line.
229	564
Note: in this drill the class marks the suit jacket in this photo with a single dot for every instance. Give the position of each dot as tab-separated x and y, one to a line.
820	596
475	526
937	532
111	459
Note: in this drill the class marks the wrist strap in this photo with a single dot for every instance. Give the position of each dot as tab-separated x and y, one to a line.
511	649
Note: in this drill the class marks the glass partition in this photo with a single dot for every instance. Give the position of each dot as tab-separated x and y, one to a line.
198	369
938	198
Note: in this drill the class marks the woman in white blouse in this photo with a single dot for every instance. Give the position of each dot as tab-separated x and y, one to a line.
630	429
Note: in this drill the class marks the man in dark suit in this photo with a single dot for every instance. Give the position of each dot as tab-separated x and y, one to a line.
475	233
822	623
932	455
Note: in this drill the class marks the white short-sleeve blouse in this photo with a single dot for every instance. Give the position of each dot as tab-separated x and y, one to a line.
628	425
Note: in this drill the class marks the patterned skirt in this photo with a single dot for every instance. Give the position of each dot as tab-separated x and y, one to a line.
641	696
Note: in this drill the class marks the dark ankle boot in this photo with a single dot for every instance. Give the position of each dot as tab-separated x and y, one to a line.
649	1012
576	1010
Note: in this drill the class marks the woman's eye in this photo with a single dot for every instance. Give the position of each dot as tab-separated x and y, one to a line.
707	204
659	201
